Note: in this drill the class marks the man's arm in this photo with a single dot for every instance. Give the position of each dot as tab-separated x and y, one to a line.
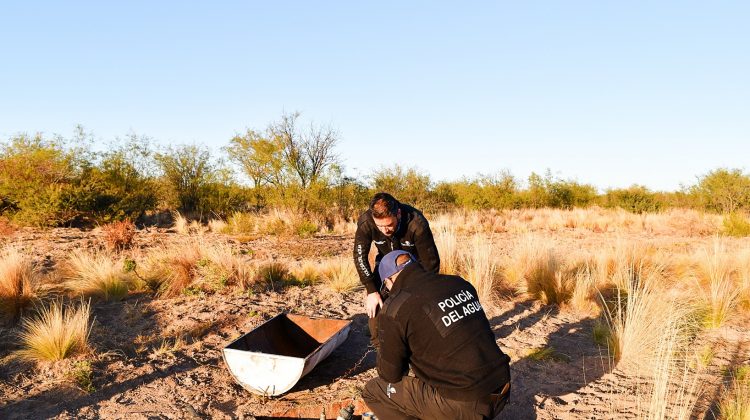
393	354
426	248
362	244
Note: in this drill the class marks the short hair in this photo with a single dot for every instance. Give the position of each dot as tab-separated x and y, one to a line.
383	205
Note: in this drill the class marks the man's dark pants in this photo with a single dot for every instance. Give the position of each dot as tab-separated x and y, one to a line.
413	399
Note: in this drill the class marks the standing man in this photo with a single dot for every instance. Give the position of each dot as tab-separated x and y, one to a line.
391	226
436	324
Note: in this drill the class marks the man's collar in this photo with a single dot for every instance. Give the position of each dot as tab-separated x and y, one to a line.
404	277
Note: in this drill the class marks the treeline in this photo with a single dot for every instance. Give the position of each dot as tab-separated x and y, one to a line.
56	181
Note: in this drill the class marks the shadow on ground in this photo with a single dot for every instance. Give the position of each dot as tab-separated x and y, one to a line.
575	362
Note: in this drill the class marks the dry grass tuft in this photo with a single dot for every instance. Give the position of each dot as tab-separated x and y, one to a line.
719	295
480	268
735	404
447	244
273	272
308	273
6	229
18	279
96	274
217	226
340	275
536	271
639	315
56	333
119	235
222	265
183	226
171	270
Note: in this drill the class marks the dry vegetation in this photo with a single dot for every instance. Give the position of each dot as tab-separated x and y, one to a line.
665	298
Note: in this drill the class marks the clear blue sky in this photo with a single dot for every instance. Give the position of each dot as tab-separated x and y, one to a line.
608	93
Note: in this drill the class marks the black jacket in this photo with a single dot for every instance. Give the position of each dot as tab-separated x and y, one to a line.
413	234
436	323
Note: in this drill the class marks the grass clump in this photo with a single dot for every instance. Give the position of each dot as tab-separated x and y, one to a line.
718	295
18	279
480	268
735	404
547	353
58	332
447	243
119	236
169	271
307	274
273	272
340	275
536	271
639	315
96	274
217	226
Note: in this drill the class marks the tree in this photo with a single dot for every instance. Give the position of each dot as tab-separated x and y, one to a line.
407	185
259	157
307	154
189	172
724	190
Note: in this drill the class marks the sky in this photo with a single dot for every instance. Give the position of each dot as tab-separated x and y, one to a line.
609	93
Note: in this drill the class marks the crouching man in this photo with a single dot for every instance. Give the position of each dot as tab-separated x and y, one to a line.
436	324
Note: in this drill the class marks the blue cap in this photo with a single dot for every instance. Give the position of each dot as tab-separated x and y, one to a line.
388	266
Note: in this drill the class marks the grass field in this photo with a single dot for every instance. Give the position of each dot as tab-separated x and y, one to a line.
605	314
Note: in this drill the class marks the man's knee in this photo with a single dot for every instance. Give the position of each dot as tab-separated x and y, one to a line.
374	390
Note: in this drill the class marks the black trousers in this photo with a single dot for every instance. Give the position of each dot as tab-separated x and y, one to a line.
413	399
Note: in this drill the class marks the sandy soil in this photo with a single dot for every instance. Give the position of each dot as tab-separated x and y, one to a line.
193	382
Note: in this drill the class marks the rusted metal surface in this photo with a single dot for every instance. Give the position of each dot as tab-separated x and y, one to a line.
270	359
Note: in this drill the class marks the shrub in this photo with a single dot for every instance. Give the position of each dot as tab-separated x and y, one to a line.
736	224
96	274
119	236
636	199
724	190
56	333
41	181
18	279
306	228
122	179
81	374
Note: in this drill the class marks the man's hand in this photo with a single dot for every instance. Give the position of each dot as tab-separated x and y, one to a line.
372	301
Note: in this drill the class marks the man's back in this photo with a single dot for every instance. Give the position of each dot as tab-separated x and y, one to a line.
437	324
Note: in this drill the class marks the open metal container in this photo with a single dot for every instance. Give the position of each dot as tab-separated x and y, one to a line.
270	359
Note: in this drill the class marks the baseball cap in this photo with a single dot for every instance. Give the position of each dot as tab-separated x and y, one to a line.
388	266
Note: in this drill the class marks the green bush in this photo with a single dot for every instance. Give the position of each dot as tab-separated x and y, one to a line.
635	199
724	190
41	181
736	224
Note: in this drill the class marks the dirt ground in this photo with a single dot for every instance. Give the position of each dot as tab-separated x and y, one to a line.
133	382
